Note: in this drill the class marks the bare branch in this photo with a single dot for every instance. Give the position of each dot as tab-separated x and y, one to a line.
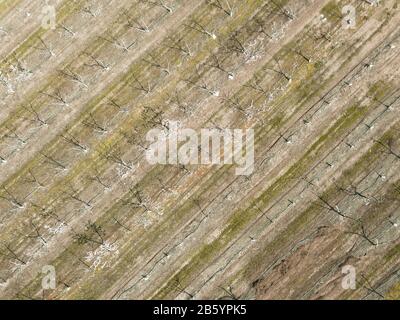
179	45
227	8
159	3
200	28
91	122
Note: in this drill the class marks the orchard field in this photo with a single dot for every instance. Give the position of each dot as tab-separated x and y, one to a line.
322	93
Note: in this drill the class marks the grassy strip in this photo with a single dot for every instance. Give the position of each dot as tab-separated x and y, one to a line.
66	8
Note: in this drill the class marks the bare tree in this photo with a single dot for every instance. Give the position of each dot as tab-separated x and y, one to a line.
177	285
151	60
34	179
96	62
74	142
36	116
72	75
164	187
154	117
8	196
114	103
50	159
333	208
135	23
386	105
56	96
179	45
121	224
363	234
261	28
352	190
140	86
199	83
120	44
74	194
349	144
92	123
250	52
322	35
67	29
255	84
287	139
390	218
96	176
234	44
44	47
48	213
88	9
379	176
301	54
12	134
135	199
197	202
115	155
11	254
182	167
234	103
177	101
388	147
134	139
93	233
229	294
142	26
279	70
194	25
20	65
36	233
286	12
264	213
216	63
77	237
2	159
367	285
